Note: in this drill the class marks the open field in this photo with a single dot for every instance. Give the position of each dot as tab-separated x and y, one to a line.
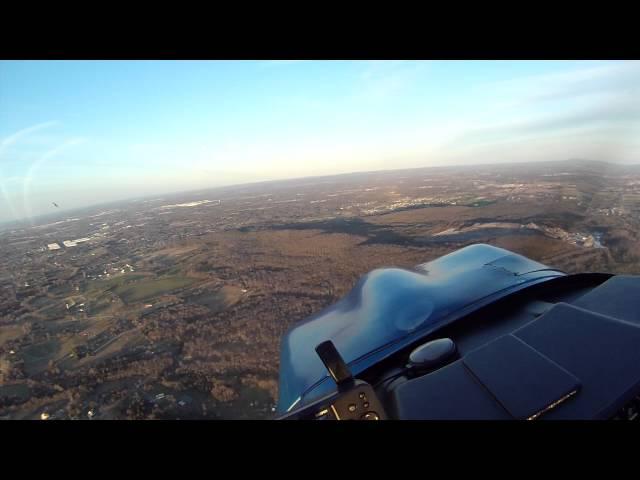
145	289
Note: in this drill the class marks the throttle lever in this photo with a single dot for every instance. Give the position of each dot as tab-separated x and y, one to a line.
335	364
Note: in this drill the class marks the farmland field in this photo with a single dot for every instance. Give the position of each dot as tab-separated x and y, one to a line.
145	289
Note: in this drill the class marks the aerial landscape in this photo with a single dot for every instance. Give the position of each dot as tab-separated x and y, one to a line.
173	306
168	225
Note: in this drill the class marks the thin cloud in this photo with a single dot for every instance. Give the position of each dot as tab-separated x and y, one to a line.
623	110
608	100
610	78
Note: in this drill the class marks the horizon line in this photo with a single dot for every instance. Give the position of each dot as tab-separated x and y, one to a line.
4	224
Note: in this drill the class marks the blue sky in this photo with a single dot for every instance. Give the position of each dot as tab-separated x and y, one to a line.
84	132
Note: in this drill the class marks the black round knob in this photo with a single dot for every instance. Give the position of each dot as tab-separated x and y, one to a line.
432	355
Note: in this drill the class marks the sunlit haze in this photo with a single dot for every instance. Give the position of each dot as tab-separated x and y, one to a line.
84	132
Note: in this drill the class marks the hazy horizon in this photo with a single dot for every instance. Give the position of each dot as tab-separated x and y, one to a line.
64	211
84	133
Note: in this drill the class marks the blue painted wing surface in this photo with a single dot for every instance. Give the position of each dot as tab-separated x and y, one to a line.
391	305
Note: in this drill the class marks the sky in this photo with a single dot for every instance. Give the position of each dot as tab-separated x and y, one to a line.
84	132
